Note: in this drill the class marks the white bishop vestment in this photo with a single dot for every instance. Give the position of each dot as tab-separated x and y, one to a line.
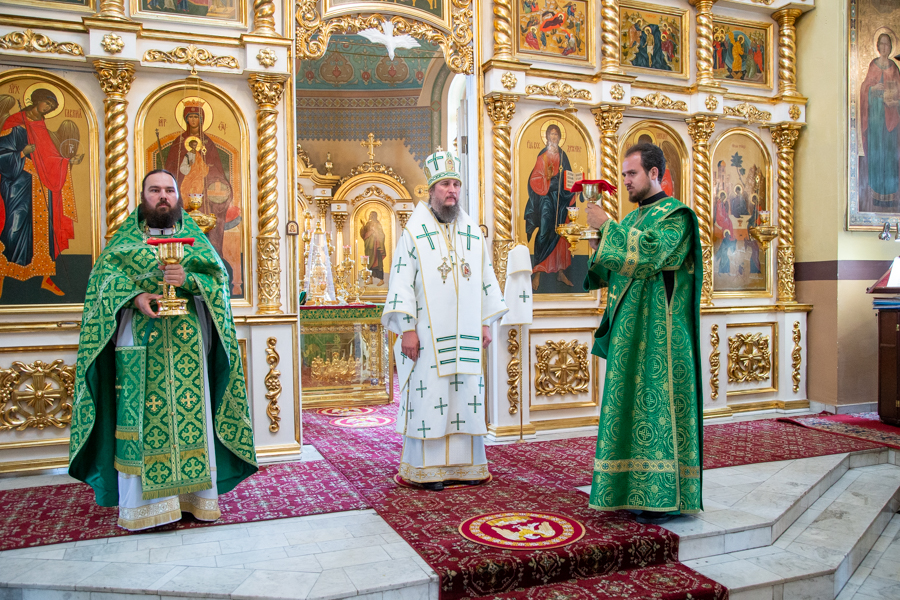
442	284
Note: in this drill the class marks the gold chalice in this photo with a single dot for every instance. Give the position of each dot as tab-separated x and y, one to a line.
170	251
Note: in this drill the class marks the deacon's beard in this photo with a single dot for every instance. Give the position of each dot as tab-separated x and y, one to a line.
639	195
446	214
161	219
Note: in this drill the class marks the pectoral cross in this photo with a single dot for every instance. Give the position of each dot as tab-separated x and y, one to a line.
371	145
445	269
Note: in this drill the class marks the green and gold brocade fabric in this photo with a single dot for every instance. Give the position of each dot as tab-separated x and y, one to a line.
122	416
649	448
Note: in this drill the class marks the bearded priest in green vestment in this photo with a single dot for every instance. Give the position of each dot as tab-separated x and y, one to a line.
160	421
649	446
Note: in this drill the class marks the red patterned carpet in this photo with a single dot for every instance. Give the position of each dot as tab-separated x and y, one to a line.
67	513
638	559
859	426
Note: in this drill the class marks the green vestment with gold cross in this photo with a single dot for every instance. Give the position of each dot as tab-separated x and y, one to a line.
140	409
649	447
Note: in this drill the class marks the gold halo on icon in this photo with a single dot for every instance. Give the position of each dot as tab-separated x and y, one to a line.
891	34
649	133
193	138
207	112
562	131
46	86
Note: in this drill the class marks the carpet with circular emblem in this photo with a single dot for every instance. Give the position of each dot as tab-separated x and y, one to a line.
361	422
522	530
350	411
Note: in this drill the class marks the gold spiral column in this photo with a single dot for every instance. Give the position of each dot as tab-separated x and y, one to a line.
264	18
115	79
267	91
704	42
112	9
608	119
787	50
609	37
501	109
701	128
503	29
785	136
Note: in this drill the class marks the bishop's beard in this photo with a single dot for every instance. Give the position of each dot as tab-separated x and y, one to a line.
446	214
160	219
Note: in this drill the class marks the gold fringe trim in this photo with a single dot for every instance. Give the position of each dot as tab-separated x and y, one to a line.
177	491
203	509
127	469
150	515
126	435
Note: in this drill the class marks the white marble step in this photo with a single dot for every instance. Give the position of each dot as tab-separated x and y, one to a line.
816	556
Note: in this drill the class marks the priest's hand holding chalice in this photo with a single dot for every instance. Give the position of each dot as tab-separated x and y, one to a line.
169	253
596	216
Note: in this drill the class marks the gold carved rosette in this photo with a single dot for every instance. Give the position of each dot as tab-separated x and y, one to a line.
749	358
561	368
700	129
115	79
608	119
501	109
267	92
36	395
785	136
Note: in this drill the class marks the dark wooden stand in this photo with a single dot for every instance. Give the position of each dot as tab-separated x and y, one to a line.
889	366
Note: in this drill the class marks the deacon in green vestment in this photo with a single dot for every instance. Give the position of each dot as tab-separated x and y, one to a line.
649	446
160	421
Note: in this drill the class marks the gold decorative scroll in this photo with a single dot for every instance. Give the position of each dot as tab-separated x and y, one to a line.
562	368
785	135
747	111
714	363
29	41
503	30
513	371
608	119
704	42
273	385
313	35
508	80
264	18
37	395
700	129
192	56
796	357
115	80
559	89
609	38
787	50
749	358
501	109
267	91
113	10
371	193
659	101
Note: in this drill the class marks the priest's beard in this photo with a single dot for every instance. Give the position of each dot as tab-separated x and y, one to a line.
446	214
637	195
160	219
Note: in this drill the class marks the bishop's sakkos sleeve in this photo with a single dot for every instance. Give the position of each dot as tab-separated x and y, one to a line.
400	305
639	254
493	306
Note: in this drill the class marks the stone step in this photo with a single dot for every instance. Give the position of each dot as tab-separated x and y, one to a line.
819	552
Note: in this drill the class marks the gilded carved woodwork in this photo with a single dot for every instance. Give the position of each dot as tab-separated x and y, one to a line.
749	358
608	119
747	111
787	50
264	18
267	91
561	368
373	192
659	101
508	80
785	135
501	109
29	41
617	92
192	56
704	42
115	81
267	58
796	357
371	165
558	89
36	395
313	34
714	363
609	38
503	30
112	43
794	112
273	385
711	102
513	371
700	129
112	10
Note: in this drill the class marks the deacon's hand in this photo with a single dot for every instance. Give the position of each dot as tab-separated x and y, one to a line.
142	301
410	344
594	243
596	216
485	336
173	274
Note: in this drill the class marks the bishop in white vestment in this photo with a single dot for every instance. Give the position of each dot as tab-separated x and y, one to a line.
442	298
